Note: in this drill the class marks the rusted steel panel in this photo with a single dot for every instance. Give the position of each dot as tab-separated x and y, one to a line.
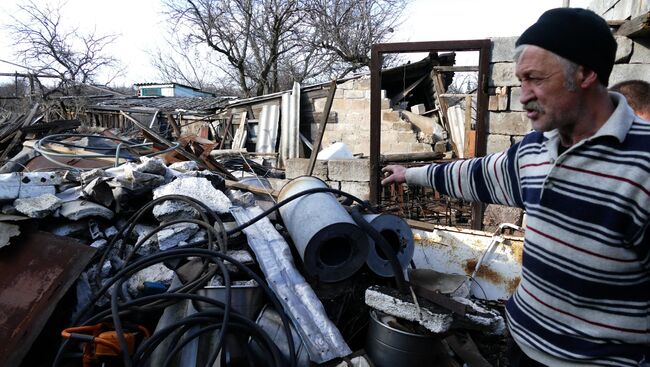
35	272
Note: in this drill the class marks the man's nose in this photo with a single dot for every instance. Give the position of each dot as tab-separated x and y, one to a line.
527	94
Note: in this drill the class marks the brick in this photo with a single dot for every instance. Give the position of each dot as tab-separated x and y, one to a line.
640	53
362	83
334	184
623	49
343	106
515	95
349	170
346	85
406	137
358	189
420	148
508	123
624	72
497	143
390	116
502	49
418	109
297	167
503	74
498	103
354	94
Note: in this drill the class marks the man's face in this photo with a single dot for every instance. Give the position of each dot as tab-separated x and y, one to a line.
547	101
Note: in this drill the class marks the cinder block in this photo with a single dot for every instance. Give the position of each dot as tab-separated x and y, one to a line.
622	72
515	96
640	53
498	102
624	49
497	143
502	49
418	109
406	137
362	83
342	106
390	116
346	85
508	123
349	170
297	167
358	189
354	94
503	74
334	184
420	148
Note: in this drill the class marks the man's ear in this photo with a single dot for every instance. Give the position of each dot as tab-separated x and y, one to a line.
586	77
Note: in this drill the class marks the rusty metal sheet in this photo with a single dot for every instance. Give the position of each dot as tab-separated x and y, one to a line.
35	272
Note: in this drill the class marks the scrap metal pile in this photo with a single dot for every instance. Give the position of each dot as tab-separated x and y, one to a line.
115	251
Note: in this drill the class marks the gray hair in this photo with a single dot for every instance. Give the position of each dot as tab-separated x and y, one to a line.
569	68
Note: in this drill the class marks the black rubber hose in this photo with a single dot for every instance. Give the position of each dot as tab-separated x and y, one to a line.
294	197
384	246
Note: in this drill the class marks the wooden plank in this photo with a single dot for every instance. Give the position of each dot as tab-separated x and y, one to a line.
410	157
172	122
635	28
321	131
162	140
226	132
469	150
456	68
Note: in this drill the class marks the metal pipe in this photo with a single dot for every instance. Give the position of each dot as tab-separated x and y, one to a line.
330	244
400	237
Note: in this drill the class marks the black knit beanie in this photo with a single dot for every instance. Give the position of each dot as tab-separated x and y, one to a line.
579	35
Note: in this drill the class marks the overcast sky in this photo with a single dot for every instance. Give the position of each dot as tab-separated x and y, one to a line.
141	25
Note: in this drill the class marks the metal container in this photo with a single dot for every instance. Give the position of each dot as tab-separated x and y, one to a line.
269	320
244	299
330	244
389	347
399	236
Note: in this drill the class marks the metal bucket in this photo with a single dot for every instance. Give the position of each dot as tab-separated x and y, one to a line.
389	347
244	299
399	236
330	244
269	320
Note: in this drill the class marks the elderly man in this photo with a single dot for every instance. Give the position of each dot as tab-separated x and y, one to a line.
583	177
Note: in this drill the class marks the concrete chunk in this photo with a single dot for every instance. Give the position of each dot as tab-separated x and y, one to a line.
38	207
170	236
198	188
9	186
81	209
7	230
297	167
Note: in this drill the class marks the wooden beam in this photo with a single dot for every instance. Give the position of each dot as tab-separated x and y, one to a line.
456	68
321	130
635	28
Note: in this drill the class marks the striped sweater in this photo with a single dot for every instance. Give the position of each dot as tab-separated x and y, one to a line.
584	295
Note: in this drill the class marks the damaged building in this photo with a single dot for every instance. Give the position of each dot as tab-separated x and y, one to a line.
180	228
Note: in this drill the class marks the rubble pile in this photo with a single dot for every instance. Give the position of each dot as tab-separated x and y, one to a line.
183	267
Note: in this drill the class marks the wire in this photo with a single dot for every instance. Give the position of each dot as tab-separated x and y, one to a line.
294	197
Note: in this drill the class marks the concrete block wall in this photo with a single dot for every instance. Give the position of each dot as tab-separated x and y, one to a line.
352	106
349	175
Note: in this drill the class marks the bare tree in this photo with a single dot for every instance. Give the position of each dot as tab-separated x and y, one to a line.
348	28
44	44
265	45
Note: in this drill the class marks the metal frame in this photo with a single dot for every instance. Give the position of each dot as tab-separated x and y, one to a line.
483	46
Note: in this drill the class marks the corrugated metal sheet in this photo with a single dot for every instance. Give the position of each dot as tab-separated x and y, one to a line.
456	118
207	104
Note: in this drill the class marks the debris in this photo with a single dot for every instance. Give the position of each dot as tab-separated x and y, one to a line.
196	187
81	209
39	206
7	231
